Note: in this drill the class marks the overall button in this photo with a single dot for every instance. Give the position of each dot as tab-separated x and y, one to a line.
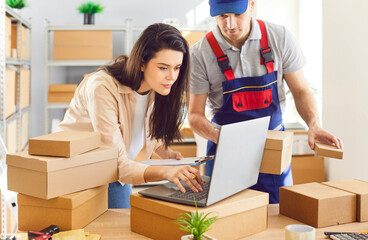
266	101
240	105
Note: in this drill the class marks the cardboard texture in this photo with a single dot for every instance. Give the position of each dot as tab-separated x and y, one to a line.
244	213
64	144
186	131
23	41
24	129
11	136
10	90
325	150
25	87
61	93
50	177
192	37
317	205
82	45
8	27
277	153
306	169
358	187
69	212
186	149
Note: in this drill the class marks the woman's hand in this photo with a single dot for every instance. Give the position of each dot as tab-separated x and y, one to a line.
189	175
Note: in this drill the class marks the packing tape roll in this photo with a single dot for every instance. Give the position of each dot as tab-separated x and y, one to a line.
300	232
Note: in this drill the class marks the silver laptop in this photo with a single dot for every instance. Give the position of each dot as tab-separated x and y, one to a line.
236	166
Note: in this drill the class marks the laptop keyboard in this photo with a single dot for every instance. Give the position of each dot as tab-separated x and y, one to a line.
189	194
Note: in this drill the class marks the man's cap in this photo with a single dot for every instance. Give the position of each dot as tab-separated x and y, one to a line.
218	7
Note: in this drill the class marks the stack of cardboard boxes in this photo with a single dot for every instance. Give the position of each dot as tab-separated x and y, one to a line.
62	180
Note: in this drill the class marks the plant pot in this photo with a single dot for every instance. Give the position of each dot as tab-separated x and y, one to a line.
89	18
190	237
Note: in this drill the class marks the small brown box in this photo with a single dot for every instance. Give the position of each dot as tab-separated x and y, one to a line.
277	152
244	213
325	150
82	45
61	92
307	169
8	29
69	212
25	87
193	37
64	143
23	41
358	187
317	205
10	83
50	177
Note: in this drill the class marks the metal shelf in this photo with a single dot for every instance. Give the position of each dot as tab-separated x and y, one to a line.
57	105
71	63
17	61
86	28
10	12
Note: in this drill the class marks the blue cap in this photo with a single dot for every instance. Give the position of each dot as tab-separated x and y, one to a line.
218	7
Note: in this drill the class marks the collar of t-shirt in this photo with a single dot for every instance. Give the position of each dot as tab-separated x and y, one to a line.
255	34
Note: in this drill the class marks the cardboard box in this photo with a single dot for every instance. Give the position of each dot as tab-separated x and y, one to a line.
82	45
25	87
11	137
317	205
186	131
244	213
24	129
64	143
61	93
23	41
306	169
193	37
50	177
325	150
69	212
358	187
277	152
10	90
8	30
186	149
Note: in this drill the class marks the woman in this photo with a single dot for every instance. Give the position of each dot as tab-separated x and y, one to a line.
136	103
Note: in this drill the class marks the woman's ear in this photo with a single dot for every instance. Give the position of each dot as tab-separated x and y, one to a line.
143	66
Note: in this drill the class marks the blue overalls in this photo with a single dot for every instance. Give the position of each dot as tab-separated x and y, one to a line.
249	98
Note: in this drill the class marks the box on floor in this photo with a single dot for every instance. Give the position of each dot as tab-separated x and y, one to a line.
49	177
277	152
358	187
317	205
72	211
240	215
64	144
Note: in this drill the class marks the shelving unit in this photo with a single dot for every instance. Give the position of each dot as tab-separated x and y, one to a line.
127	41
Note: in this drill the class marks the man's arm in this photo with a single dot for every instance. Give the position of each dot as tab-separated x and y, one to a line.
306	106
197	118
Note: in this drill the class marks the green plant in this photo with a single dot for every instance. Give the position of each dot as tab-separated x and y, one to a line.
16	3
90	7
195	223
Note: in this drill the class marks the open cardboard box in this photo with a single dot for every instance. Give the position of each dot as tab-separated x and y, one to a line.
245	213
358	187
277	152
72	211
317	205
50	177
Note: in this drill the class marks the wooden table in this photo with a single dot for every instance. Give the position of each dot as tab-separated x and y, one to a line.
115	224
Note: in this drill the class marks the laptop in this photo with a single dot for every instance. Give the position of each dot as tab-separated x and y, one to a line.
236	166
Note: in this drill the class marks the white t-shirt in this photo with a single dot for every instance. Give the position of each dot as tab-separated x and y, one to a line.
138	137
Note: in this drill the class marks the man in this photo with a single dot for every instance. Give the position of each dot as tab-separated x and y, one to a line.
240	67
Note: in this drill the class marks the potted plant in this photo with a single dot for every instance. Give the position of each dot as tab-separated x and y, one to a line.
196	224
17	4
89	9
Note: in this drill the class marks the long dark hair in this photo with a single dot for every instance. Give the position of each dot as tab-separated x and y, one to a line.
168	111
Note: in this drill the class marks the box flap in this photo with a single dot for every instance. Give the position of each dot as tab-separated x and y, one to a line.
277	140
325	150
240	202
49	164
350	185
70	201
317	191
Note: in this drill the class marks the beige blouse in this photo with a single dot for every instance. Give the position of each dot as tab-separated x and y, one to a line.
102	104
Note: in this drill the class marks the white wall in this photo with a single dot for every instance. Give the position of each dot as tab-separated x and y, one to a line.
142	12
345	84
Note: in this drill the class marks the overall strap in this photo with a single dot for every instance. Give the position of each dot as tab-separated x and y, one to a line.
222	59
266	53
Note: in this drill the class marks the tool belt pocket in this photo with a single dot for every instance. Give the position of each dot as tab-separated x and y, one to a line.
251	100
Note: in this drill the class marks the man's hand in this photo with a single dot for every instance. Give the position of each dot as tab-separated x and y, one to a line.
323	136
